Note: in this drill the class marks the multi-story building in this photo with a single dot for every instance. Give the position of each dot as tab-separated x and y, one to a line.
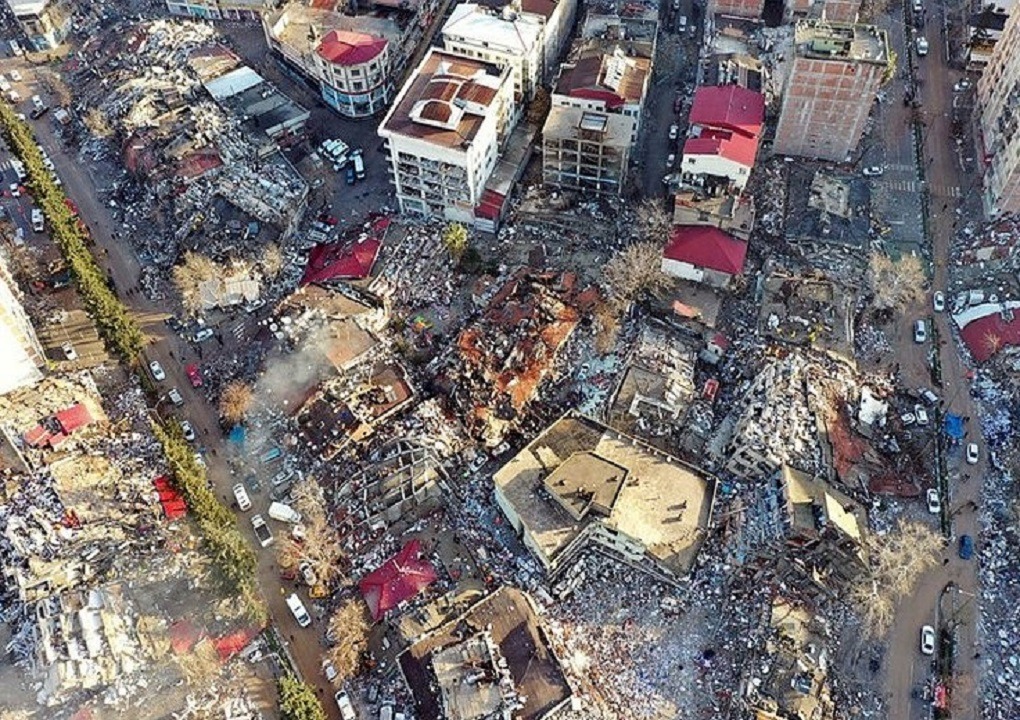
845	11
557	18
998	92
725	125
21	356
737	8
835	75
353	59
506	39
444	134
586	150
45	22
220	9
606	78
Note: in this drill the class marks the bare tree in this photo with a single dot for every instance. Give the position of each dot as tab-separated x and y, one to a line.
635	272
895	285
896	562
321	545
349	626
272	260
235	401
193	270
607	327
653	222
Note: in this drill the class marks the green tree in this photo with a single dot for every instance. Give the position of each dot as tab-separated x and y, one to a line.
455	238
298	700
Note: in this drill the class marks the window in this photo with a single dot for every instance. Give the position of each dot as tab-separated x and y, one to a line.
358	85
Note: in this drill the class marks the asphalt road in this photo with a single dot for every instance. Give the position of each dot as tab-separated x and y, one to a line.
173	353
905	667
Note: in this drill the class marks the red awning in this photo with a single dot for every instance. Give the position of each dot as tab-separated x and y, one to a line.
73	418
398	579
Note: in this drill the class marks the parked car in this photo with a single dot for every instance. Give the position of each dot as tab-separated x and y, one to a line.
928	396
934	504
262	531
69	352
674	130
204	334
199	459
972	453
921	415
671	160
188	430
928	640
297	608
938	301
874	171
157	371
329	671
175	396
194	375
922	46
349	177
961	85
920	332
15	76
908	419
966	547
241	496
343	701
15	190
308	574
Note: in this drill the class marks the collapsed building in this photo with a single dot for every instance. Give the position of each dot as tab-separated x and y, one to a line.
405	474
501	360
581	486
828	218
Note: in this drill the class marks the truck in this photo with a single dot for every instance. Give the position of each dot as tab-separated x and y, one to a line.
284	513
262	531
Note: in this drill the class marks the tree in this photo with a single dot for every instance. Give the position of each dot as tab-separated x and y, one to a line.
896	562
192	271
298	700
538	108
272	260
895	285
321	545
235	401
653	222
633	273
455	239
350	626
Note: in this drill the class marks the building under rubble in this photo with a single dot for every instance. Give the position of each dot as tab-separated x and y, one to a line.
406	474
582	486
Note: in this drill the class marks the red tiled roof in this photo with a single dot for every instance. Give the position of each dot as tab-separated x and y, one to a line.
987	335
724	143
343	47
73	418
342	262
398	579
729	107
706	247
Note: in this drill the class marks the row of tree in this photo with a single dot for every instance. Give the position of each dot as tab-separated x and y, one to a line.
114	322
298	700
232	554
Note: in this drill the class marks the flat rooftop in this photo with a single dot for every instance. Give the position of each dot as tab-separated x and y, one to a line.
446	100
303	27
475	23
839	41
567	123
514	628
654	498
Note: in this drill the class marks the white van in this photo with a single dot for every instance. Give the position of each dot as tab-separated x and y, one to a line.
359	167
386	713
241	495
284	513
297	608
38	222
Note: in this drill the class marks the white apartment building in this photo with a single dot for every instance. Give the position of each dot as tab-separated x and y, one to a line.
45	22
998	92
21	355
219	9
506	39
444	134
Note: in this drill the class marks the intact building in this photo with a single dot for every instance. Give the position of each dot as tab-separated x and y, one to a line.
45	22
21	355
836	72
722	143
737	8
581	485
444	134
219	9
999	119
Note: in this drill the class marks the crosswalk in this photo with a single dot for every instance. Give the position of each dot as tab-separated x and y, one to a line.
914	186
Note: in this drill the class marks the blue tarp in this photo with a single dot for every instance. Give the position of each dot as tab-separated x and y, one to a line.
954	426
237	434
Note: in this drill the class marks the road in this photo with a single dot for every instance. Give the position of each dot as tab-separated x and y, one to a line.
174	353
905	666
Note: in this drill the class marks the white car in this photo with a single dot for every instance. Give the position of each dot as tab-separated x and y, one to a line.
920	332
329	671
241	495
962	85
674	130
69	351
175	396
938	301
934	504
188	430
307	574
874	171
15	76
199	460
921	415
262	531
343	701
972	453
928	640
204	334
157	371
15	190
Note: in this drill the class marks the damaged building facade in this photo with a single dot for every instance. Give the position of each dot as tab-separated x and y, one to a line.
46	23
21	356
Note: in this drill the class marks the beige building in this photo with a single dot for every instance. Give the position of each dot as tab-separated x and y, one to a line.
998	111
831	86
21	356
586	150
444	134
581	485
45	22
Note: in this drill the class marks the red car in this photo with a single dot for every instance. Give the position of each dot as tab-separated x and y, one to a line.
194	375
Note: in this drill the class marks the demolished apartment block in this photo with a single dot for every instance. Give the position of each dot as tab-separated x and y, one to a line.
779	417
581	486
657	386
405	475
494	661
502	359
808	310
828	218
795	685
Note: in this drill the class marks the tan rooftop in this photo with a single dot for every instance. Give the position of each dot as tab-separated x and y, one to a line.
564	123
446	100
